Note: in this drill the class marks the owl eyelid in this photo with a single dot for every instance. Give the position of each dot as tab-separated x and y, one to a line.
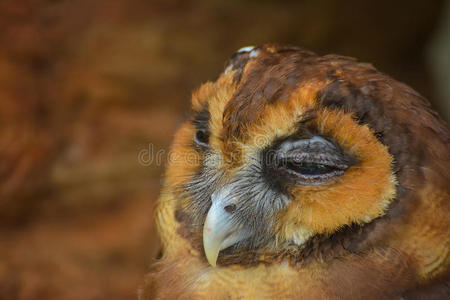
309	173
325	168
312	168
310	161
325	159
291	145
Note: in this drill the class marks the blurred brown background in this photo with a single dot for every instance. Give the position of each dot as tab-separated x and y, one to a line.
86	85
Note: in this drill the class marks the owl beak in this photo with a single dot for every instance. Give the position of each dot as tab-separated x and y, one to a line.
219	230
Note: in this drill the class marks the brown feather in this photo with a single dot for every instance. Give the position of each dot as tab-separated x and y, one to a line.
380	231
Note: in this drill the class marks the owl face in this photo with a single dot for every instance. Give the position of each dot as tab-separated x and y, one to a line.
278	152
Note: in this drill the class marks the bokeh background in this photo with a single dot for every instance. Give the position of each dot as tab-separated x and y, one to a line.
86	85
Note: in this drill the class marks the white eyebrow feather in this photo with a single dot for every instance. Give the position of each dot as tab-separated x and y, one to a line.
246	49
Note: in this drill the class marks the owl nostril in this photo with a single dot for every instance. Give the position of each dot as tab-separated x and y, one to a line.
230	208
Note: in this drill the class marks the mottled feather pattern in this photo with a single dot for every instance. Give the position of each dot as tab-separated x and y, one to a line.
377	228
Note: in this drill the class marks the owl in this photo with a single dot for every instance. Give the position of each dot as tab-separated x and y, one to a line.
301	176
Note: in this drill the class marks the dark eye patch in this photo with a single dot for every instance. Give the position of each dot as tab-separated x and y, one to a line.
201	138
310	168
200	121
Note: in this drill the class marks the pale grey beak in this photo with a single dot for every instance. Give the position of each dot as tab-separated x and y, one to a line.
219	230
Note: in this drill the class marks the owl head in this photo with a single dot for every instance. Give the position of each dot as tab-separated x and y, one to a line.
289	152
